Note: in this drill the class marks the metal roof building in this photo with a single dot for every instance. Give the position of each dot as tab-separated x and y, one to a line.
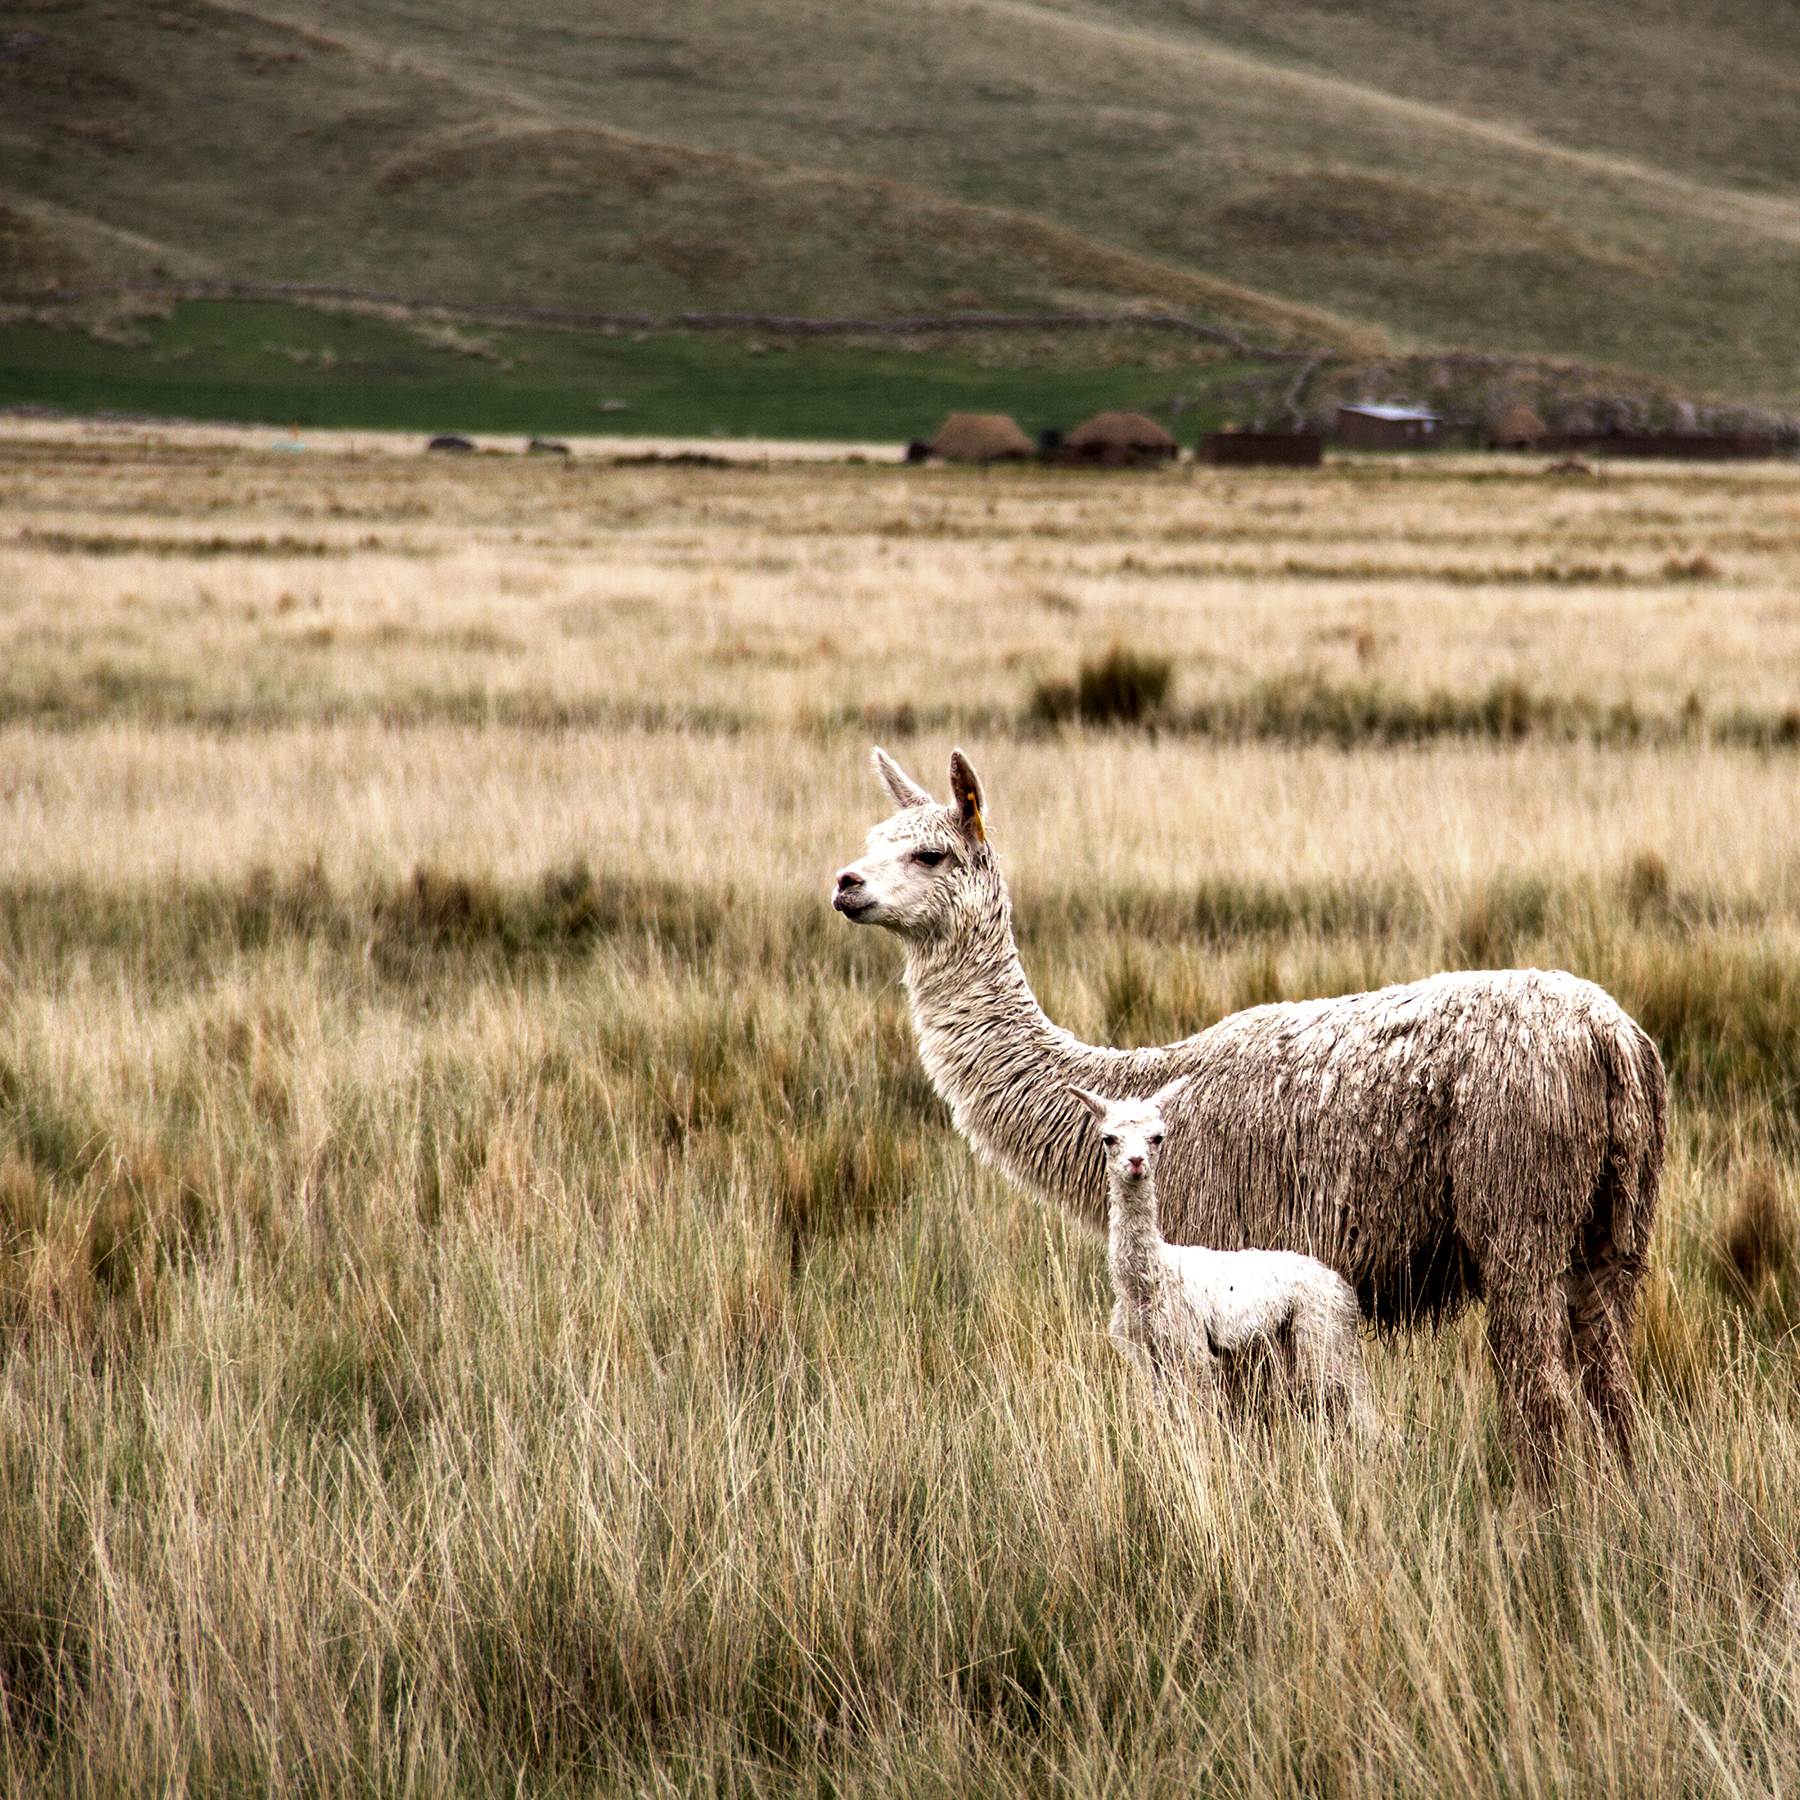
1387	427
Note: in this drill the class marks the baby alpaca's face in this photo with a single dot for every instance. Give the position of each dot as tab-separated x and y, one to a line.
1131	1134
1131	1131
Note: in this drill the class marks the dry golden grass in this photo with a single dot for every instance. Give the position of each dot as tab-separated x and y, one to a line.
141	805
739	597
488	1300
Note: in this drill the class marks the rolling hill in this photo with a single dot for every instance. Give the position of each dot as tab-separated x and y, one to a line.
1597	181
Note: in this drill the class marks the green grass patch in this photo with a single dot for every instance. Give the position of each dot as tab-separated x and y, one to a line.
263	361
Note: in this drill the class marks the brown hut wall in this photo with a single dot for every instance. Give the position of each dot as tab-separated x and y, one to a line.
1358	431
1688	446
1241	449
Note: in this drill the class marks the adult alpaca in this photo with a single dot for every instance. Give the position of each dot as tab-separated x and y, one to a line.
1493	1135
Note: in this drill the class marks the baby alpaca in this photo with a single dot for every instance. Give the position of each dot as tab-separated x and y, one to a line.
1178	1306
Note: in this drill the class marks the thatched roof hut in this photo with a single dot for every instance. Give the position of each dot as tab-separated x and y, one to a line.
1519	430
981	438
1117	440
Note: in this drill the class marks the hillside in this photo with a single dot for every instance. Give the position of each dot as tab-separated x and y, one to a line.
1596	181
1704	90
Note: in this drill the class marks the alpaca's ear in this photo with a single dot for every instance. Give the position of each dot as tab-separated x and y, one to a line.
895	779
1092	1102
1164	1095
965	785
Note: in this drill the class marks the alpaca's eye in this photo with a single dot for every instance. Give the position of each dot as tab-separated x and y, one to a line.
1156	1137
929	858
1112	1143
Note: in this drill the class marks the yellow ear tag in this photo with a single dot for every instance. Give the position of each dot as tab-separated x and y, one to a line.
975	820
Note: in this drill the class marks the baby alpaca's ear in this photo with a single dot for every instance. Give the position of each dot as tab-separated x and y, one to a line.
1164	1095
1092	1102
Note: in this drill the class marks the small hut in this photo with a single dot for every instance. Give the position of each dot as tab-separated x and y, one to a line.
1687	446
1370	427
981	438
1521	429
1247	449
1118	440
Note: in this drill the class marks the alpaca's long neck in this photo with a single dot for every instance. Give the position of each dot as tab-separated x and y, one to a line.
1005	1069
1134	1244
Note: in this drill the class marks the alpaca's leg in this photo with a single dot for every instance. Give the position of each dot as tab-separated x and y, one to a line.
1129	1341
1602	1310
1293	1360
1133	1352
1522	1212
1332	1365
1200	1371
1353	1376
1332	1370
1528	1338
1309	1368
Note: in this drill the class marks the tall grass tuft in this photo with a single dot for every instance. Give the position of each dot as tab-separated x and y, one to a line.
1123	687
1756	1253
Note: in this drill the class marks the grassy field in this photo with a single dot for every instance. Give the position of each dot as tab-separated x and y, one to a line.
489	1301
280	363
1579	182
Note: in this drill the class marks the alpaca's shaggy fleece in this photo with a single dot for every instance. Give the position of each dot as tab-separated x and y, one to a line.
1495	1135
1179	1308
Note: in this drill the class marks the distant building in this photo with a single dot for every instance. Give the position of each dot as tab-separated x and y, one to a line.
1238	449
1683	446
1521	429
1387	427
1118	440
980	438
